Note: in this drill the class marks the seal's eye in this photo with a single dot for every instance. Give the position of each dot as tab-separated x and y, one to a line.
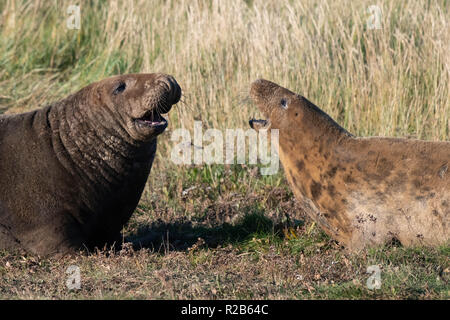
284	103
120	88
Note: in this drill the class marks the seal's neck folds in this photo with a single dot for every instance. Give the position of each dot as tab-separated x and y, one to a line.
90	143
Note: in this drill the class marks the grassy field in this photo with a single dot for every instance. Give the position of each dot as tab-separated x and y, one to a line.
215	231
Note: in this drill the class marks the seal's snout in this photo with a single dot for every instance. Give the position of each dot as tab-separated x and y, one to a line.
172	91
255	88
262	89
261	92
162	92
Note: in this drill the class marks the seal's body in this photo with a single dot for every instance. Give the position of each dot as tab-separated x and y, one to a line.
72	173
361	191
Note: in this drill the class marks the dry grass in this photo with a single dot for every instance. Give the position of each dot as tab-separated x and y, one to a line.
393	81
250	258
220	244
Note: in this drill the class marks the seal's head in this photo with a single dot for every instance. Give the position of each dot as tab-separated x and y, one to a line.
280	106
139	100
292	114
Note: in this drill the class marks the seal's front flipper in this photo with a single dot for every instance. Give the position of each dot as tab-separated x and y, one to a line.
7	240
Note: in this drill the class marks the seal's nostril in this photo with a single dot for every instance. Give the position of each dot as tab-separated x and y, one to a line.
170	91
258	81
256	86
165	83
173	89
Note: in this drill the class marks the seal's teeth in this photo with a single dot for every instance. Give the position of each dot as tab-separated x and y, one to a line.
152	122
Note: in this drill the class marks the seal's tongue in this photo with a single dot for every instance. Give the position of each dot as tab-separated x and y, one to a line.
153	119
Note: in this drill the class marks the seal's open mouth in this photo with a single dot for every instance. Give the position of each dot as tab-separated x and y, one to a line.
152	119
259	124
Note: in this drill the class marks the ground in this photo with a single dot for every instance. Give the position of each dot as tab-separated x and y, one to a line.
224	244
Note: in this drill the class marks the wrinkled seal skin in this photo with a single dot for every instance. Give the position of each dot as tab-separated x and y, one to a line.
361	191
72	173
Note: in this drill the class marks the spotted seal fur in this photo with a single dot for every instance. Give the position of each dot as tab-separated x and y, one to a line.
361	191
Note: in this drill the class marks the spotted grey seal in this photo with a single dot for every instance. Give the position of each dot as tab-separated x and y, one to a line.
361	191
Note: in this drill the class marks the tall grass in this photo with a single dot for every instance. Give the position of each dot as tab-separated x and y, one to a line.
390	81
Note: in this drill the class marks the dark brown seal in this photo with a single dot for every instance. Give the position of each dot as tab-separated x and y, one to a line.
361	191
72	173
